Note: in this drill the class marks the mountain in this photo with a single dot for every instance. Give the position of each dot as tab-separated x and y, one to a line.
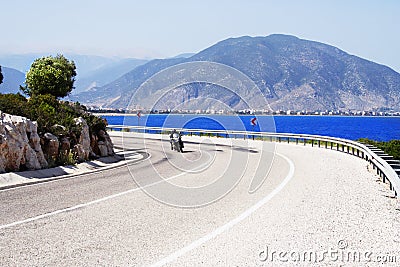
85	63
105	73
119	90
297	74
11	81
292	73
185	55
91	70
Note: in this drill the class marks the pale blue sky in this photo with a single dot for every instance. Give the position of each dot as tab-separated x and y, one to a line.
156	28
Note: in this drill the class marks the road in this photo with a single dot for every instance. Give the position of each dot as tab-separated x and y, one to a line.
169	209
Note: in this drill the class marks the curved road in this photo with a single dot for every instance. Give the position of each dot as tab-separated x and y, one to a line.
311	200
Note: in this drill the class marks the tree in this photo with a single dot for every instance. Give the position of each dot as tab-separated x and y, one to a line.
15	104
1	76
50	75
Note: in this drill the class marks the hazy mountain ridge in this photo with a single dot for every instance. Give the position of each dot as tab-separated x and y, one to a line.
106	74
293	74
91	70
115	92
11	81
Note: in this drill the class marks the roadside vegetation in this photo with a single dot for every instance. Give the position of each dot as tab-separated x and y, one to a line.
391	148
48	80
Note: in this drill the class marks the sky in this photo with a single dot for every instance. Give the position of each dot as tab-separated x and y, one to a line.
158	29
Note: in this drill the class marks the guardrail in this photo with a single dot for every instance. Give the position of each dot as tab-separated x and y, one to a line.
382	167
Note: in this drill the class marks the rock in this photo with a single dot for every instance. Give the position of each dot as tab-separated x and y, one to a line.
58	129
34	142
82	149
21	148
19	144
65	146
103	148
80	153
104	137
50	146
64	143
101	144
93	155
94	145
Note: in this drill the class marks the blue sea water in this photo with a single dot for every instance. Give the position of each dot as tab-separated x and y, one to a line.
376	128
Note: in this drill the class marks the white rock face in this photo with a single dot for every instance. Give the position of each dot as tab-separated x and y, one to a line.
83	149
19	144
21	148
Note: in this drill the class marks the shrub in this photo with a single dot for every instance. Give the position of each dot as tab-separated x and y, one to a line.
66	159
13	104
50	75
95	123
391	148
52	115
43	109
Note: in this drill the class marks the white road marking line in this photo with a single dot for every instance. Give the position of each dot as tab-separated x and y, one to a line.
231	223
74	175
89	203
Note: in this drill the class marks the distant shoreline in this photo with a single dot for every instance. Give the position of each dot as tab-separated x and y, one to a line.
253	115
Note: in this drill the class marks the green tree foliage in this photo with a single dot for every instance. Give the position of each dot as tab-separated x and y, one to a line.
391	148
51	114
44	109
1	76
50	75
13	104
48	79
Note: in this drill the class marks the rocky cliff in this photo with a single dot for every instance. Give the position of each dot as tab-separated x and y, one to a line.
21	148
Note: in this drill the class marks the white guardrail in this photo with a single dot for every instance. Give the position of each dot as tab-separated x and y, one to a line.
369	153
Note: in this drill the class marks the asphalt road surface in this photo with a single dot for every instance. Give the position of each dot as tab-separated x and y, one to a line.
200	208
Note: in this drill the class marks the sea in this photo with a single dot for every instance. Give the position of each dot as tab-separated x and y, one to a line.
348	127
